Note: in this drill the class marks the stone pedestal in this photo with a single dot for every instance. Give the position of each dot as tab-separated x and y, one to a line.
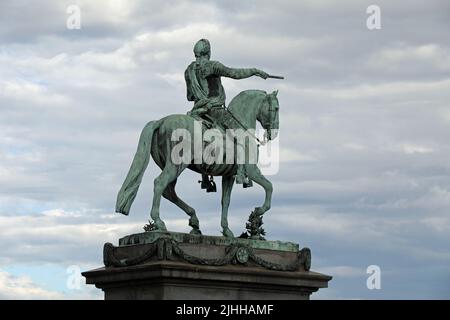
163	265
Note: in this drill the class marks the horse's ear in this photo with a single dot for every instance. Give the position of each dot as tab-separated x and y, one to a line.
275	93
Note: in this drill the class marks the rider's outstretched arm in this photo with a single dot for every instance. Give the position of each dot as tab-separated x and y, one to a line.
236	73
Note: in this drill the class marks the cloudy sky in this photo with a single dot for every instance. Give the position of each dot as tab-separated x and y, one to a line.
364	176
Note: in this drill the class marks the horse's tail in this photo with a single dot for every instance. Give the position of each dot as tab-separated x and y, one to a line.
131	184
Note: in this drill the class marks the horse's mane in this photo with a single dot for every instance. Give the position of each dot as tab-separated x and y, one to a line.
246	98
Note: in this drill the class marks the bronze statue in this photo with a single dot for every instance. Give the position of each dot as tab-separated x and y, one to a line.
205	89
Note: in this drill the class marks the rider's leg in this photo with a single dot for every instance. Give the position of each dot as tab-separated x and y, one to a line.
205	181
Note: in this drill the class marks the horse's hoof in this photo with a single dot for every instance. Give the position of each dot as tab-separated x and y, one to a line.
196	232
259	211
160	225
227	233
194	223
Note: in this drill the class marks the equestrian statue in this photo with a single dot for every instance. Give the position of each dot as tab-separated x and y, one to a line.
204	88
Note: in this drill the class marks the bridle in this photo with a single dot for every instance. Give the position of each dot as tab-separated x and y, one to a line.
268	125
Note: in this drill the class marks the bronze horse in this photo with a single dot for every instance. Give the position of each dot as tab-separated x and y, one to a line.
247	108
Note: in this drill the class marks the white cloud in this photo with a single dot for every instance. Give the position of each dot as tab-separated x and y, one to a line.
405	88
23	288
51	237
427	55
354	146
364	123
343	271
411	149
31	92
290	155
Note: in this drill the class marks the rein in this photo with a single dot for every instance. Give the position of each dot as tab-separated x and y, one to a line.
269	124
244	127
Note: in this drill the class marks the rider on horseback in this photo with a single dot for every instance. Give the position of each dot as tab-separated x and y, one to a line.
204	87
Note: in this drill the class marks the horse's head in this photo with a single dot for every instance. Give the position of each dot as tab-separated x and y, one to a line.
268	115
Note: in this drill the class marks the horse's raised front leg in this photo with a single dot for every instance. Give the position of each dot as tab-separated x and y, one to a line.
172	196
168	175
255	174
227	186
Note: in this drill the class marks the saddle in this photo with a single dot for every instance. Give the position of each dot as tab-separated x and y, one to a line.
216	117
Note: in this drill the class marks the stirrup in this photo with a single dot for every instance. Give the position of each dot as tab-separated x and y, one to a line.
208	184
212	186
248	183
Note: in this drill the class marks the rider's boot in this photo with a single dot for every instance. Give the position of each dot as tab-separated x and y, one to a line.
205	181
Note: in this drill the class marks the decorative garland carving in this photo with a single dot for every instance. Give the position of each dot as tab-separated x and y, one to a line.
166	248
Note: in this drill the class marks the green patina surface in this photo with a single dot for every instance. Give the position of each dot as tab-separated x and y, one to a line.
152	236
205	90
